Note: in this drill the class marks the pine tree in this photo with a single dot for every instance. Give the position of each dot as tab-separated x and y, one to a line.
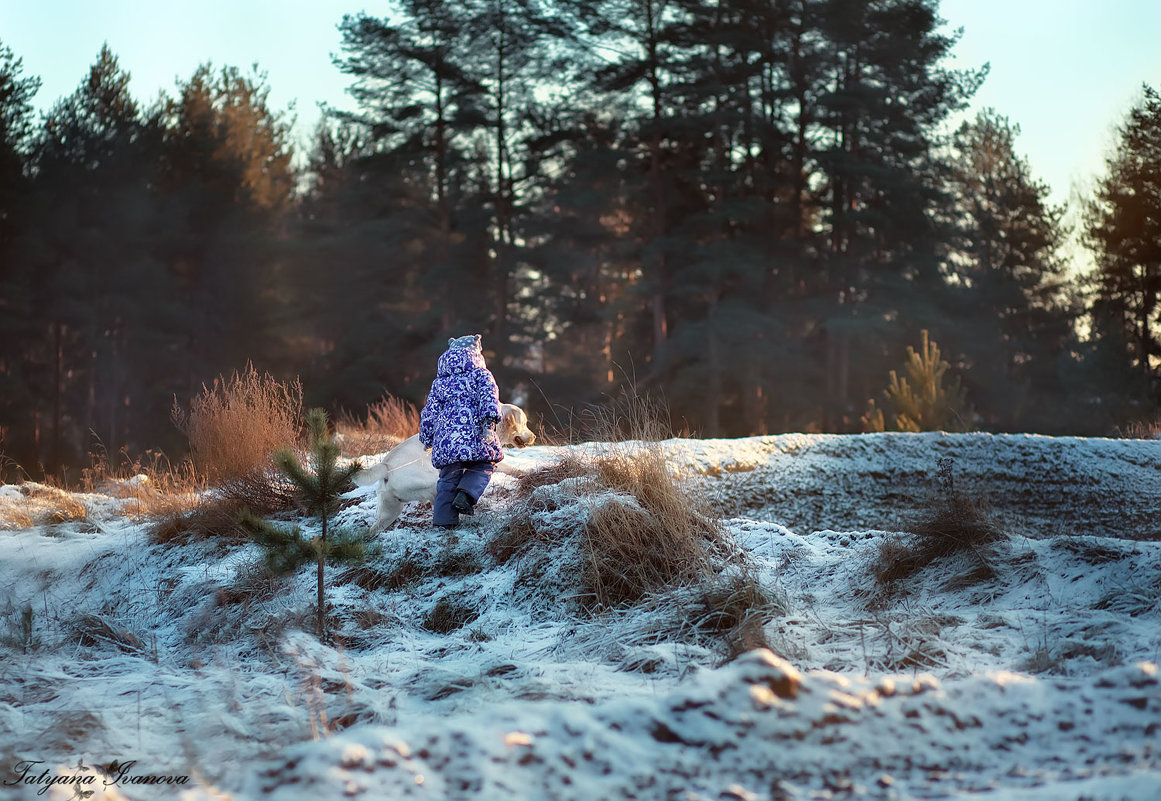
318	486
100	292
923	403
227	180
885	93
1124	229
1010	297
17	329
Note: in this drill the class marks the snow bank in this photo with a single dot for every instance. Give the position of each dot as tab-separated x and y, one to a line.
1039	682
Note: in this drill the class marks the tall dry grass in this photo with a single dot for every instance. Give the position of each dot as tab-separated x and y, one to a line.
1141	429
149	486
662	536
632	416
645	530
235	425
31	504
388	422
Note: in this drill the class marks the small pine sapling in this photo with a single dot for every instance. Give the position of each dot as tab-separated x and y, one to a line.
318	487
925	402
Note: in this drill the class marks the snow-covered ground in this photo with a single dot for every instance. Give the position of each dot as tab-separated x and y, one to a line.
1039	682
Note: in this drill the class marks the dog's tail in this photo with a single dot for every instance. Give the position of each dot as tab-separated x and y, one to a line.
365	478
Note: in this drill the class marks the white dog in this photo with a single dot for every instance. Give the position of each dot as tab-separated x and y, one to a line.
406	474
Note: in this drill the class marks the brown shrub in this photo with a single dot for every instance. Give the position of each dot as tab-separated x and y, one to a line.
215	515
389	421
234	426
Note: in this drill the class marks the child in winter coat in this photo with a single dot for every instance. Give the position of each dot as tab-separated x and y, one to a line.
458	424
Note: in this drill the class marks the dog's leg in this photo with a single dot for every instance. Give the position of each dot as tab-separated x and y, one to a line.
389	508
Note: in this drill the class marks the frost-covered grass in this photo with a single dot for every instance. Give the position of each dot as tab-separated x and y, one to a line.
476	665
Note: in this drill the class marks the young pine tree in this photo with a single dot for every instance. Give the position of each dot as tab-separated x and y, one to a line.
318	487
924	403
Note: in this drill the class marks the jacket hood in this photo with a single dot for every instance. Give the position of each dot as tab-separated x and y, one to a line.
460	360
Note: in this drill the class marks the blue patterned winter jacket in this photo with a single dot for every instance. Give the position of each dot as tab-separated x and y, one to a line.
458	420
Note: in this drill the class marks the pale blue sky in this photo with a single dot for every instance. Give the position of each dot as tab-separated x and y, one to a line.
1065	70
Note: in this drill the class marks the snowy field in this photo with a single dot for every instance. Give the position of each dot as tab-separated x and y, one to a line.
1036	680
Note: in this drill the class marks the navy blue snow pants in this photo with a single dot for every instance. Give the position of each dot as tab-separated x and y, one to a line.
471	477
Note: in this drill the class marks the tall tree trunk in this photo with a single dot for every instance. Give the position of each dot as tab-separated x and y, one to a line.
503	223
657	190
713	405
322	618
55	439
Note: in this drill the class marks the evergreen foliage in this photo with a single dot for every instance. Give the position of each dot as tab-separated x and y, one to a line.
1009	277
921	401
1124	228
319	485
749	207
18	381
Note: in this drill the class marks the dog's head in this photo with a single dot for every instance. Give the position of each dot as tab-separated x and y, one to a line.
513	428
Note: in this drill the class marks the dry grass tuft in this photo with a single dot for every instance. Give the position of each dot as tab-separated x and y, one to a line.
657	536
253	584
644	530
96	630
629	553
454	563
151	486
14	516
520	533
235	425
571	464
737	609
1141	429
264	490
366	577
389	421
1134	599
959	524
1090	551
631	416
30	504
212	518
448	615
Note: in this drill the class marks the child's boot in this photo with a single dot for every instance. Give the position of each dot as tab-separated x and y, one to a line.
463	503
